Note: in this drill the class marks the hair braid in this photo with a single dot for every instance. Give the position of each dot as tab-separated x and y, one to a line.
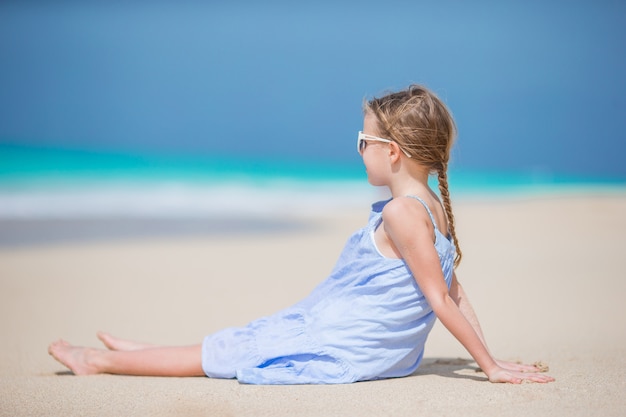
442	175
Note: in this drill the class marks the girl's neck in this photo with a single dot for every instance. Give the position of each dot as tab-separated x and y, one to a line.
414	182
409	185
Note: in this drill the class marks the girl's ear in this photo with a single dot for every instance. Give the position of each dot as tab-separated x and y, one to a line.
394	152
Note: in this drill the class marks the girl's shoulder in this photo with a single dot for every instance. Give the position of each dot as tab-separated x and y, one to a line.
408	211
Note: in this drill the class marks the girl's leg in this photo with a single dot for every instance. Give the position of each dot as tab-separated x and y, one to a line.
115	343
156	361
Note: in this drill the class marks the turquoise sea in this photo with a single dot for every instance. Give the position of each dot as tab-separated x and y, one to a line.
53	183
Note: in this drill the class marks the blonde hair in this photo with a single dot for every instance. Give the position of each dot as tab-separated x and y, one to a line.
422	125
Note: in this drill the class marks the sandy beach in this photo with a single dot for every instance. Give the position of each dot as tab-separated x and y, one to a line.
544	274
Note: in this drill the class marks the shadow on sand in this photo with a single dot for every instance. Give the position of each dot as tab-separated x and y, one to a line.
451	368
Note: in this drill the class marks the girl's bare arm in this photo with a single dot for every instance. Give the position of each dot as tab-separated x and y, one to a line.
411	232
458	295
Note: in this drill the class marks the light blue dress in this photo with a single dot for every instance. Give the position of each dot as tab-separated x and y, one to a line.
367	320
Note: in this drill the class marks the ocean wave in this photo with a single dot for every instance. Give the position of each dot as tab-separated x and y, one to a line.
143	198
182	200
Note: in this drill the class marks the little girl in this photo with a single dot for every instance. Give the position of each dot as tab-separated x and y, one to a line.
370	318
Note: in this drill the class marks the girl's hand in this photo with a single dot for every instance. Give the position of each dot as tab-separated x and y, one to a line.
500	374
520	367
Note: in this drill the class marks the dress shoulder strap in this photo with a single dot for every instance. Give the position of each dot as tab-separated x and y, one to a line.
432	218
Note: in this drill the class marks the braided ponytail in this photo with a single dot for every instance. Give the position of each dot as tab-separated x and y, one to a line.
442	176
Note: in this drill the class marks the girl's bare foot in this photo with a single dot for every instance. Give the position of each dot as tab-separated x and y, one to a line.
115	343
78	359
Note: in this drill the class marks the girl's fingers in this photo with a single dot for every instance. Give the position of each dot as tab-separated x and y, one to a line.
519	377
541	378
520	367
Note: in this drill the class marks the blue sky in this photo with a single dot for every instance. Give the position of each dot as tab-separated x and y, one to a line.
534	86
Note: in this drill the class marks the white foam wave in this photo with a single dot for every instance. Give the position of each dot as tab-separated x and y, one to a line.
176	200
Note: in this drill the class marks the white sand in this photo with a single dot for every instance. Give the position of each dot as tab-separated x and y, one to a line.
544	274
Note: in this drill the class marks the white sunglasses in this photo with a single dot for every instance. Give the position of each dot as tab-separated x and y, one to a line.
361	143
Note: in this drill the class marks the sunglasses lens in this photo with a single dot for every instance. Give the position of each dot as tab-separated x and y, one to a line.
362	145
